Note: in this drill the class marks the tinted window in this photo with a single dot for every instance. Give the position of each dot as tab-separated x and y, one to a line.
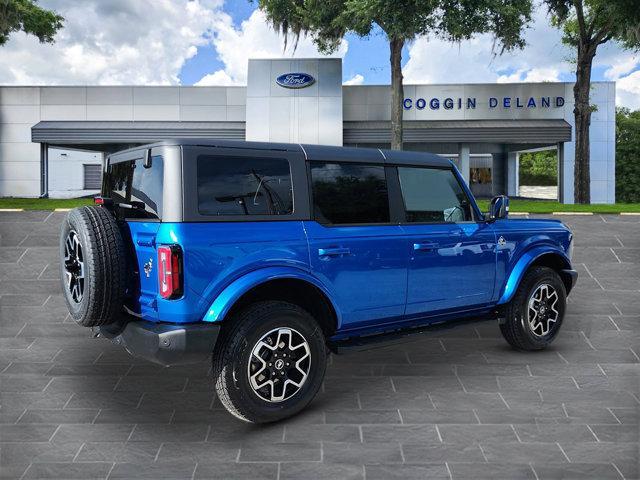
348	193
244	186
433	195
131	183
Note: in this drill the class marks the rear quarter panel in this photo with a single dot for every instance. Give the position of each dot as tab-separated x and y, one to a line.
217	253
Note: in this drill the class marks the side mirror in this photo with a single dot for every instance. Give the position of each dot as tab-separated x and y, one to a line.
498	208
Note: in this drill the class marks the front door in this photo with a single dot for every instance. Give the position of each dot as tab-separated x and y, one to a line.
452	257
354	249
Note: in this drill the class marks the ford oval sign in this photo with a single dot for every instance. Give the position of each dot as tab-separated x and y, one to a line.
295	80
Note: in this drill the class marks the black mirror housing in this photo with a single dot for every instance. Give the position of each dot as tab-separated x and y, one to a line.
498	208
147	159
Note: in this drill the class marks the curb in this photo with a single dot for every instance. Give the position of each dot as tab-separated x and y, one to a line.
11	209
630	213
62	210
572	213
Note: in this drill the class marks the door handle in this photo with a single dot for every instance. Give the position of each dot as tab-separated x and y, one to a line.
333	252
425	246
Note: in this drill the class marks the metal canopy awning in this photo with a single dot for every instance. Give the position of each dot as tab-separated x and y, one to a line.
453	131
102	133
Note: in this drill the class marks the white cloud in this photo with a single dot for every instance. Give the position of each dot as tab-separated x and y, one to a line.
253	39
436	61
219	77
114	42
545	58
623	64
628	91
531	75
357	79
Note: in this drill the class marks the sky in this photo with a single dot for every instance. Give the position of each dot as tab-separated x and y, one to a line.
208	42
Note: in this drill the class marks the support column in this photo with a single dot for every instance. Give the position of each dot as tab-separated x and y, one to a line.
44	170
464	153
561	176
513	165
498	173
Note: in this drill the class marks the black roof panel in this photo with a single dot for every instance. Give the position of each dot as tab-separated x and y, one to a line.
404	157
312	152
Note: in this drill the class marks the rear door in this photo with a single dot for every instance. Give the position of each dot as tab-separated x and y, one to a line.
354	247
452	257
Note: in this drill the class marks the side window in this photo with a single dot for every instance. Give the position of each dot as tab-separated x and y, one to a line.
349	193
433	195
244	186
128	182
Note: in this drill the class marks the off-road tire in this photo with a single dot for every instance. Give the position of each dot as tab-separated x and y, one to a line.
104	266
516	328
233	351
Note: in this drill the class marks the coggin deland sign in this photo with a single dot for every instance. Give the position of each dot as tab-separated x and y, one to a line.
302	80
469	103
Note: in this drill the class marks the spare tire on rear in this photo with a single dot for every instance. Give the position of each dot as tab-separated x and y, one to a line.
92	266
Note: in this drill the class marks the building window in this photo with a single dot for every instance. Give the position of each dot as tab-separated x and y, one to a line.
92	176
433	195
244	186
349	193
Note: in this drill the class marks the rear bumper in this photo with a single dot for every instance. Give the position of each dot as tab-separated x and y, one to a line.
166	344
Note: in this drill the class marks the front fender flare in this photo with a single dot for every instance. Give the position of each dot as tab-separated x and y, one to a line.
223	302
523	263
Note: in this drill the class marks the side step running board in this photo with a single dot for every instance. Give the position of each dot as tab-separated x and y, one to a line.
402	335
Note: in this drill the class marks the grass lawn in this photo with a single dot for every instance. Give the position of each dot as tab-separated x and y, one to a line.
44	203
531	206
547	206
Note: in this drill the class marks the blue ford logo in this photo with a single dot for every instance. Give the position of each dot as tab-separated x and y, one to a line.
295	80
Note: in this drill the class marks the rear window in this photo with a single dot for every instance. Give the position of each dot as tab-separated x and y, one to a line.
131	184
244	186
349	193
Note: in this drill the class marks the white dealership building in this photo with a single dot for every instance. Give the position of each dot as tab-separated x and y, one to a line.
53	139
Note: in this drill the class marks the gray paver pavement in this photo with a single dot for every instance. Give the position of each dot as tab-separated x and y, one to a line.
462	405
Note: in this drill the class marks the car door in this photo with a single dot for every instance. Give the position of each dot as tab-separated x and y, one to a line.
452	257
353	246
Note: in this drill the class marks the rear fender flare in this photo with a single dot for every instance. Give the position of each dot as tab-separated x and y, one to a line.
523	264
220	306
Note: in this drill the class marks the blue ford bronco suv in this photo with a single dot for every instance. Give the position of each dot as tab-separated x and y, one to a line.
267	257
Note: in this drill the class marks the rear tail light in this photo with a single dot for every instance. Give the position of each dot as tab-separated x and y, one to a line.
170	271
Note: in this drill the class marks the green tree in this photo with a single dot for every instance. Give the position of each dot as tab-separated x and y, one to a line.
627	156
328	21
587	24
539	168
27	16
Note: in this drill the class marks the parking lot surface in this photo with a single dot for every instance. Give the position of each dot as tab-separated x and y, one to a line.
460	405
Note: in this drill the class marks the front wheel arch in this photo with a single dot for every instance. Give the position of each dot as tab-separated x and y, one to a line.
552	258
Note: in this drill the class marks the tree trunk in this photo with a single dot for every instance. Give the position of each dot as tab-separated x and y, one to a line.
397	90
582	114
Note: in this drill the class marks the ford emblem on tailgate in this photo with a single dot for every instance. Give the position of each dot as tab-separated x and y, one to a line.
295	80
